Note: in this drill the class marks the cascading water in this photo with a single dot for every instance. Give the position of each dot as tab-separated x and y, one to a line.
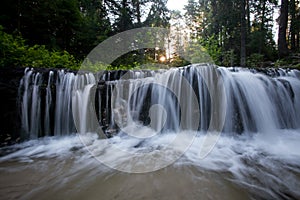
31	121
49	104
256	157
46	100
261	103
254	102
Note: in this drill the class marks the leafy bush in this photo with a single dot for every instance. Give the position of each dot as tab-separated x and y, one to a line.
11	49
14	52
229	58
213	48
99	66
255	60
39	56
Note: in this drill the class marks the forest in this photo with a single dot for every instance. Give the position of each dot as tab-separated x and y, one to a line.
60	33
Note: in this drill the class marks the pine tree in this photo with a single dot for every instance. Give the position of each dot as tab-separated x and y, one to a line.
283	21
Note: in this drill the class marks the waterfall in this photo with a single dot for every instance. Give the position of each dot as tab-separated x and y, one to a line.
260	103
35	122
83	103
31	103
24	84
63	110
49	103
192	97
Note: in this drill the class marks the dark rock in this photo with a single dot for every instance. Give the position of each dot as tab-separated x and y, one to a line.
9	118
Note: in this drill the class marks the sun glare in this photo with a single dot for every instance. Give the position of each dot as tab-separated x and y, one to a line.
162	59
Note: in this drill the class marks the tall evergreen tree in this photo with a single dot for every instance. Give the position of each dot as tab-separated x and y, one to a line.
158	15
283	22
243	33
293	25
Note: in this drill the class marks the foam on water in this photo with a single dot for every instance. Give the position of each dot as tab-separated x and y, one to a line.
270	165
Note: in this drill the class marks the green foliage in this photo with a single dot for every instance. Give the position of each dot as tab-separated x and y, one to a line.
158	15
293	61
255	60
178	61
99	66
261	42
213	48
14	52
228	58
11	49
281	63
39	56
297	66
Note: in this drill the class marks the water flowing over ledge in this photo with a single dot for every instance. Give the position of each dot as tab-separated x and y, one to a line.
252	102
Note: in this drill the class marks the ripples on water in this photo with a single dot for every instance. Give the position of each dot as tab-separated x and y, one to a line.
249	166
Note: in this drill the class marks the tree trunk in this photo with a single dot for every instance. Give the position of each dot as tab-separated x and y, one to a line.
283	20
243	33
293	26
248	17
298	35
298	41
137	8
297	27
262	27
19	17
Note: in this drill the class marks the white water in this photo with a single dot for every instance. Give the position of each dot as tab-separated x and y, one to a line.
49	104
257	153
192	98
265	168
63	110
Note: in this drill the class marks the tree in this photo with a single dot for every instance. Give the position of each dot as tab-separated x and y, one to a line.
225	26
124	20
298	27
46	22
261	38
193	18
95	27
159	14
137	4
72	25
243	33
50	23
283	21
245	30
293	26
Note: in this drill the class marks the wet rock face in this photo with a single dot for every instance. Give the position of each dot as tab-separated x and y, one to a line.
9	109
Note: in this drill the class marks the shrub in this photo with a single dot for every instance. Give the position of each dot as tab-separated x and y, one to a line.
14	52
11	49
255	60
228	58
